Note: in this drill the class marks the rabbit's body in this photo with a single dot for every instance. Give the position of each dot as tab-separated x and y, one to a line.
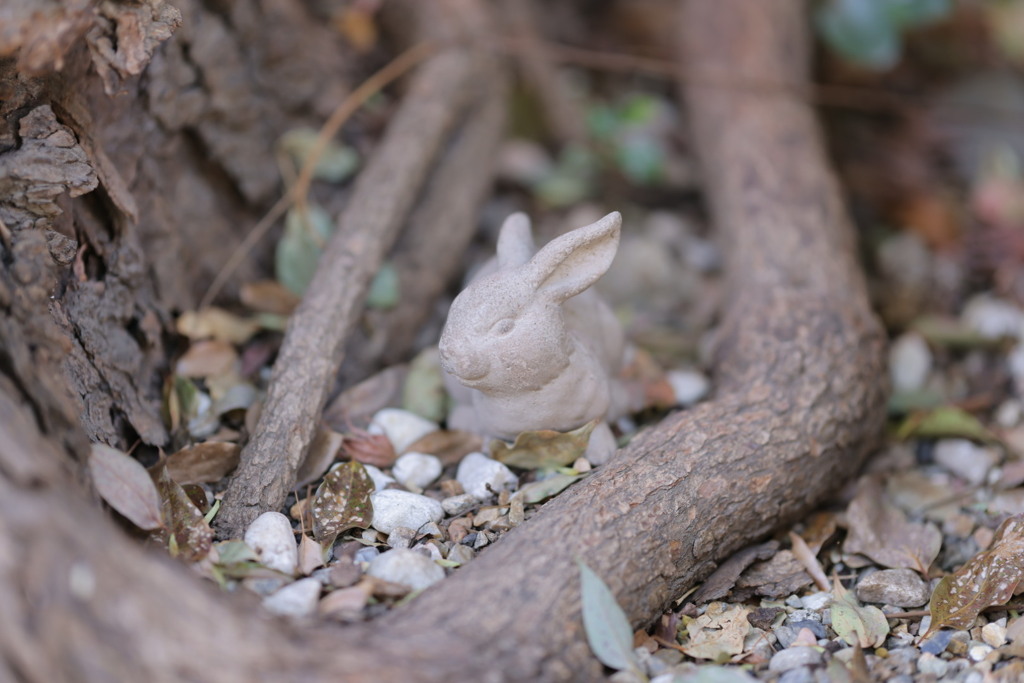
536	350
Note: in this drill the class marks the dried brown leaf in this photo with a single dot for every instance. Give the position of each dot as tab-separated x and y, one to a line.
778	577
545	448
216	323
809	560
880	530
187	534
718	634
722	579
204	462
311	555
322	454
355	406
369	449
988	578
124	483
449	445
268	296
206	358
342	502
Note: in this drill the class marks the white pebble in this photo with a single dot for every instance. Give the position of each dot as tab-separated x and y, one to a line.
1008	413
817	601
456	505
417	470
406	567
271	537
910	362
394	508
993	318
402	428
477	472
689	386
994	634
380	480
978	652
965	459
296	599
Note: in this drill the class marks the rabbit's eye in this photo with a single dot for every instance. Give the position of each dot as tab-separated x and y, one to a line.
503	326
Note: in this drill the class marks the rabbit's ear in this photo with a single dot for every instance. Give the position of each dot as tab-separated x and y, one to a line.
515	241
569	264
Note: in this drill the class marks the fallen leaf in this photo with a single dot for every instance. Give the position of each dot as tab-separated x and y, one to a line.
268	296
988	578
809	559
778	577
187	534
449	445
952	333
369	449
865	626
945	422
322	454
724	577
204	462
718	634
424	392
355	407
311	555
608	630
207	357
881	531
342	502
216	323
539	491
125	484
544	449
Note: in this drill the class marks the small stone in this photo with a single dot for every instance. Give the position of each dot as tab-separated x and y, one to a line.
910	362
794	601
928	663
482	539
401	537
688	386
978	652
430	550
417	470
456	505
993	634
406	567
480	476
394	508
402	428
800	674
992	318
958	642
785	634
297	599
899	587
271	537
813	626
380	480
367	554
430	529
794	657
582	465
802	615
1009	413
965	459
816	601
461	554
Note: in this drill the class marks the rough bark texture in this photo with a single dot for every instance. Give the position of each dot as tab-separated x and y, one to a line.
799	401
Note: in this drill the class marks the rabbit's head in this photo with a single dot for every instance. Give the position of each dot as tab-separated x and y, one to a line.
506	331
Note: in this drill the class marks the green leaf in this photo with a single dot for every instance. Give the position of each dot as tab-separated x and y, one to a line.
951	333
124	483
305	235
539	491
424	392
868	32
233	552
988	578
856	624
337	162
945	422
608	630
384	290
342	502
545	448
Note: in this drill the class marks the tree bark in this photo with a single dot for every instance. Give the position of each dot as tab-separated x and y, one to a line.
799	401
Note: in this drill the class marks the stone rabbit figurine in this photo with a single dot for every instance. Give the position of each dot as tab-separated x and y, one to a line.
531	345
